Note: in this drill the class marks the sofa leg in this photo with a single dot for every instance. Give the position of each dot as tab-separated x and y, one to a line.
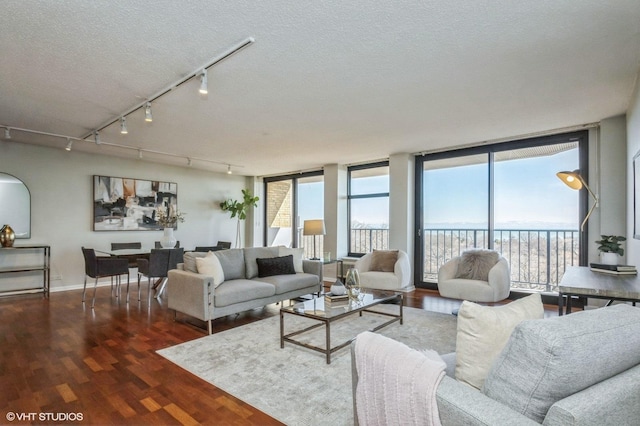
209	326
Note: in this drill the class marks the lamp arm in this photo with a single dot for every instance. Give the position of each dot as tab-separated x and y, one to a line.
595	204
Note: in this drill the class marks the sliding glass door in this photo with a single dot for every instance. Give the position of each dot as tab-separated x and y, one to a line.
504	197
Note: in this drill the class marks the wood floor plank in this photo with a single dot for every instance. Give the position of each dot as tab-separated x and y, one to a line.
103	363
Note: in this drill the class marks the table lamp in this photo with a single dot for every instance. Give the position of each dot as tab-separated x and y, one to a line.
575	181
314	227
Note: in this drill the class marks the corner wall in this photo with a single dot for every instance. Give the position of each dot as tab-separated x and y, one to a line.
61	186
633	146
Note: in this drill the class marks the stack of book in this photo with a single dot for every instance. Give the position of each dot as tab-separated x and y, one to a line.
334	300
614	269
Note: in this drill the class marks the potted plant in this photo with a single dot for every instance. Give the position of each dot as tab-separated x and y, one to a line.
239	209
168	220
610	248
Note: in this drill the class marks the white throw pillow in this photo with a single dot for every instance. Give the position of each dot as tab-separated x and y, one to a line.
211	267
297	253
483	331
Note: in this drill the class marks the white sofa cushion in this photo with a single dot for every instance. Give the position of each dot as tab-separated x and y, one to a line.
210	266
483	331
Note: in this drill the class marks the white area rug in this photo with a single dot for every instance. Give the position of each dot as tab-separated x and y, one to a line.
295	385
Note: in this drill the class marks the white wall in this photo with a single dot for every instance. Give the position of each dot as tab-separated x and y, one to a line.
61	185
633	146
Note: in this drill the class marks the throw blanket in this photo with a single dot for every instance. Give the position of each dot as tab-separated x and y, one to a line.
396	384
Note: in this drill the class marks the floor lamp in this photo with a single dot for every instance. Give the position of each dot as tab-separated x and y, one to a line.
575	181
314	227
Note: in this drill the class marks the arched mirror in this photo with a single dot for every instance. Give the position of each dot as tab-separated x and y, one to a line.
15	205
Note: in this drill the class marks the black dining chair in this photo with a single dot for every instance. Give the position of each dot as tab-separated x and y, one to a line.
98	267
160	262
128	246
156	266
224	244
206	248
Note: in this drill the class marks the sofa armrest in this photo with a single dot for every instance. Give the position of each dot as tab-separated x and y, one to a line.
460	404
500	279
448	270
364	263
618	403
190	293
313	267
402	269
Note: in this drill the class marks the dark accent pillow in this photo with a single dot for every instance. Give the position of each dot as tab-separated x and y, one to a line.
383	260
270	266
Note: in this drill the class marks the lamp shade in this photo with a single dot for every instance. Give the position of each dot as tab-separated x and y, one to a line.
572	179
314	227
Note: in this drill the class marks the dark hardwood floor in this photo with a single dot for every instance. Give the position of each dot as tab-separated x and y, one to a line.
63	360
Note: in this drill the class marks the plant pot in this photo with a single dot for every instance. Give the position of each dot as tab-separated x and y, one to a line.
609	258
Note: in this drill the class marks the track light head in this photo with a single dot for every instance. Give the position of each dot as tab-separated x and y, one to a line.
123	125
204	89
229	169
189	162
7	133
69	144
96	137
147	112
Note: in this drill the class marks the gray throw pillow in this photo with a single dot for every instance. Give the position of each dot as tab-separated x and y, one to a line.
475	264
232	262
189	260
547	360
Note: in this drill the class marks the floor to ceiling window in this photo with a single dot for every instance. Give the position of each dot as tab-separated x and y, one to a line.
289	201
368	196
504	197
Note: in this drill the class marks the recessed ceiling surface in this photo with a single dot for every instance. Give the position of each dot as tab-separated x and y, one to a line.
325	82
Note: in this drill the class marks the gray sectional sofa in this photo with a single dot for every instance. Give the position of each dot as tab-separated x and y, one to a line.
202	297
578	369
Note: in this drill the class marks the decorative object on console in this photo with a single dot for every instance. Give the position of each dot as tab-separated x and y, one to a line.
7	236
610	248
352	283
575	181
239	209
314	227
338	288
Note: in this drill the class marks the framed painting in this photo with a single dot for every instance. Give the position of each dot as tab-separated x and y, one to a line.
126	204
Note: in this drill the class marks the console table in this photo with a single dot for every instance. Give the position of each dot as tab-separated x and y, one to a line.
582	281
44	268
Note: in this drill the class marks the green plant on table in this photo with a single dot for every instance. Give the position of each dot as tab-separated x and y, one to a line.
611	244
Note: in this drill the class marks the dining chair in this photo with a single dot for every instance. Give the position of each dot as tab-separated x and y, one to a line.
224	244
176	256
156	266
206	248
128	246
98	267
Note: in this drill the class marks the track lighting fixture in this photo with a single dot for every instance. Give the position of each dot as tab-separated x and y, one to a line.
69	144
96	137
189	162
7	133
147	112
123	126
229	169
204	89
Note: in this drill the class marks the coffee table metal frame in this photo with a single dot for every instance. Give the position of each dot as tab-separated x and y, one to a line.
371	299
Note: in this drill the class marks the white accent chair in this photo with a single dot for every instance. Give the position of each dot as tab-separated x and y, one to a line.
398	280
495	289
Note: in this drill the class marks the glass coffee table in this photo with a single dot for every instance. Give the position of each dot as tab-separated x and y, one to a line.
325	315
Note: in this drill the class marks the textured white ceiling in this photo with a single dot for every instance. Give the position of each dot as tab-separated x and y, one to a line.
325	82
